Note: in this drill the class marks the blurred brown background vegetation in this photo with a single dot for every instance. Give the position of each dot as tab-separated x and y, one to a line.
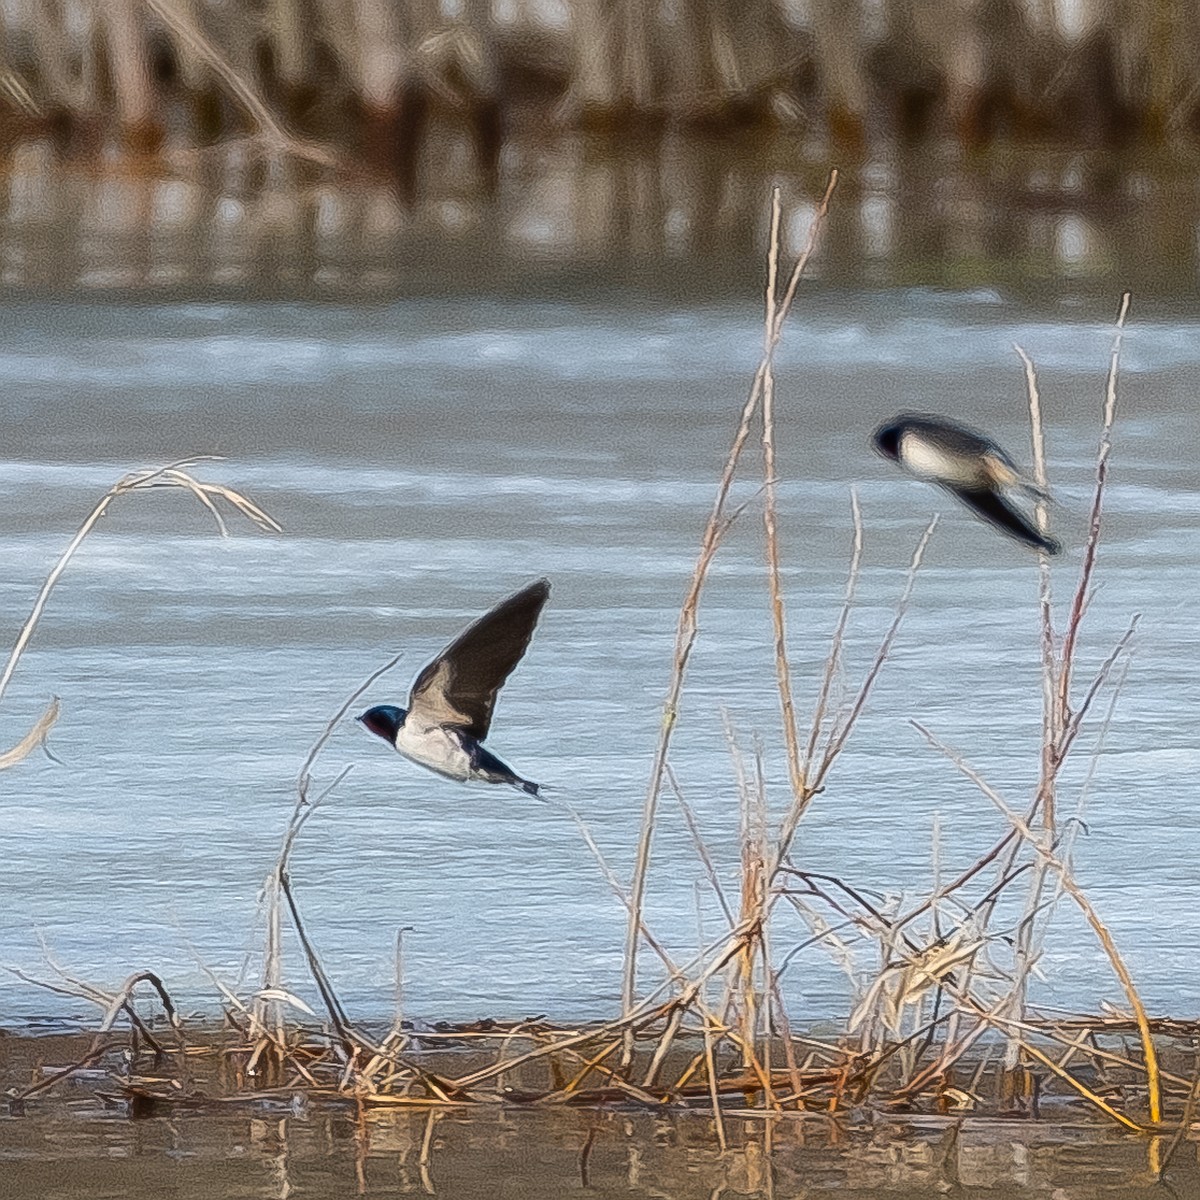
330	143
363	73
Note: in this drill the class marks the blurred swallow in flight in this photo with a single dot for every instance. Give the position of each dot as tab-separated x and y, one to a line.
969	465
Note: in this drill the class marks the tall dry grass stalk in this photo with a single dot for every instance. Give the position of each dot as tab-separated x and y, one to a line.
1064	719
752	1011
688	624
1063	716
174	475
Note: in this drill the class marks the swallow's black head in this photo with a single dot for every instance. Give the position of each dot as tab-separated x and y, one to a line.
887	439
384	720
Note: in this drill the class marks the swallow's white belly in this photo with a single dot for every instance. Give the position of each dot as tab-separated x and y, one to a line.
434	747
927	461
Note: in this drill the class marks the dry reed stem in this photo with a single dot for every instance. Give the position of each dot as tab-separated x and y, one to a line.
840	733
932	963
1185	1125
1071	732
644	1014
1102	733
268	1012
714	1097
1095	520
688	627
837	642
125	995
785	1025
839	737
273	134
77	993
984	860
641	1094
96	1053
1086	1044
1050	714
34	738
783	668
256	1032
112	1003
701	847
397	1030
615	887
333	1006
426	1156
1052	717
1081	1088
664	1044
589	1065
1150	1056
1061	725
754	909
993	1018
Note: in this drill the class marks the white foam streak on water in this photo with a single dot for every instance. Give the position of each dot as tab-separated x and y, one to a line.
427	459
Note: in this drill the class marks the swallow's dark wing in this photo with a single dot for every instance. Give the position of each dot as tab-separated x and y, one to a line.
993	508
459	687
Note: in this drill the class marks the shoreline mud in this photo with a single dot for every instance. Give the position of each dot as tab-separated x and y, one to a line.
88	1133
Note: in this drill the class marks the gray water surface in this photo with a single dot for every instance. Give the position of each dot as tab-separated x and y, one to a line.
427	458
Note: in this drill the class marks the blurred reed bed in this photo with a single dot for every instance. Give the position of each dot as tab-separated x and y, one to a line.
365	74
943	1024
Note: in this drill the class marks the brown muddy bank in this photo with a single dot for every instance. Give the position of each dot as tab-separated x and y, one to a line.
87	1135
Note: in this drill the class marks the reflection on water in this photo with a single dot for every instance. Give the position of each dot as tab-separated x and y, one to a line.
277	1154
674	213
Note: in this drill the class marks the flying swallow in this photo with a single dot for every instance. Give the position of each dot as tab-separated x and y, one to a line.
969	465
451	702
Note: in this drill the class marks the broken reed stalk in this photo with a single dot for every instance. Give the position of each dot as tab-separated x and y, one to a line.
36	737
113	1005
172	475
645	1013
688	627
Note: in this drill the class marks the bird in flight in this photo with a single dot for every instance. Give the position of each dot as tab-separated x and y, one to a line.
451	702
967	464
